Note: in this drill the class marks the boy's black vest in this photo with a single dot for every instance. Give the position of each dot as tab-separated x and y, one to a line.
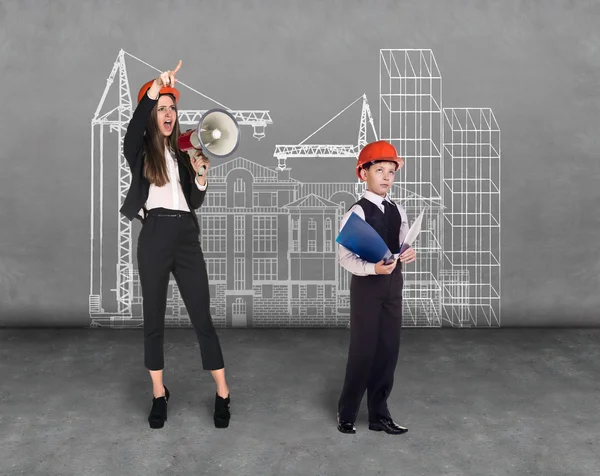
387	225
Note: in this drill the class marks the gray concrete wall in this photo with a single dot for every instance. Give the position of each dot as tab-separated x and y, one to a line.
535	64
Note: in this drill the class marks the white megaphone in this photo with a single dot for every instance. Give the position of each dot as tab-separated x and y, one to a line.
217	135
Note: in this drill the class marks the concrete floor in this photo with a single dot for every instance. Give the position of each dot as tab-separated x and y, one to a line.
476	402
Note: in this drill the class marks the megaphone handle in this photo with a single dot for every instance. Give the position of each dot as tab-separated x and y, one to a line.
201	171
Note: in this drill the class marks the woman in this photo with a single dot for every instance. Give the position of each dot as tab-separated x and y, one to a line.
166	188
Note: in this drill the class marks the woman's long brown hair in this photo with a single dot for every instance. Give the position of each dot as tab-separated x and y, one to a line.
155	165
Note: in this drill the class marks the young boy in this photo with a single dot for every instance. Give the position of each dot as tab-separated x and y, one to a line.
375	296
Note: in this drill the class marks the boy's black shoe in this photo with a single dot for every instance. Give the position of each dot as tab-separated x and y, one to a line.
158	413
387	425
345	426
222	414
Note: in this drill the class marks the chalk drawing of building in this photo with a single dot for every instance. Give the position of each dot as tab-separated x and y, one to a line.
269	239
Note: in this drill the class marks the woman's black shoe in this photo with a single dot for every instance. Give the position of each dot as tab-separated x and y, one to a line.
222	414
158	414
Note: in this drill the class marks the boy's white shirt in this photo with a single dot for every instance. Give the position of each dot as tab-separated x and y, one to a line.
352	262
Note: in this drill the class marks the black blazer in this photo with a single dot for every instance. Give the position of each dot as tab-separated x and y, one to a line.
133	151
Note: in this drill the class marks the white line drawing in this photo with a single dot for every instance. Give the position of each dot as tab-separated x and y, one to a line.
410	117
457	273
126	288
472	217
269	240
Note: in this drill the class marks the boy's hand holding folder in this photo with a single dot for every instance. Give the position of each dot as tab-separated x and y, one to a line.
360	238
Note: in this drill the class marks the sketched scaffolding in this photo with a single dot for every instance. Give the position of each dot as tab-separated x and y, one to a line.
472	217
410	117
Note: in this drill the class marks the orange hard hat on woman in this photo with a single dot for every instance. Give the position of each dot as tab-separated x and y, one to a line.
378	151
163	90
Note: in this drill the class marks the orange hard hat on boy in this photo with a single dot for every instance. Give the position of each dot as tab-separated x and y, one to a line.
378	151
163	90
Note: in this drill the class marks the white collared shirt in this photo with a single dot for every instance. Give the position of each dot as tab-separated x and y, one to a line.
169	196
352	262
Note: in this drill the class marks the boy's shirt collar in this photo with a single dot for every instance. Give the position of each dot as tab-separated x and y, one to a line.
376	199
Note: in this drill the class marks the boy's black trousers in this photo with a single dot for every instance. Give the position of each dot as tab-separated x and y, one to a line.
375	323
169	243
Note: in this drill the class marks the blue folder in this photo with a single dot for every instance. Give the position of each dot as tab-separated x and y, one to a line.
362	239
